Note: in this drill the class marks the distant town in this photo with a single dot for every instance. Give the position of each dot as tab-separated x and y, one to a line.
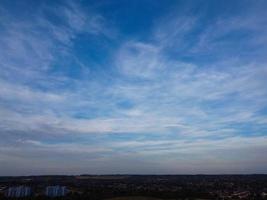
135	187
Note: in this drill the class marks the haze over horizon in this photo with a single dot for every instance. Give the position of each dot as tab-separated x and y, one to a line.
133	87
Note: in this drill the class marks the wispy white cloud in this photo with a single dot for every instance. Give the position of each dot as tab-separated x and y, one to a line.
139	59
175	156
164	105
32	46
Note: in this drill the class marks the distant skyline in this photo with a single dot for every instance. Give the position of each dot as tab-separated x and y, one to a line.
133	87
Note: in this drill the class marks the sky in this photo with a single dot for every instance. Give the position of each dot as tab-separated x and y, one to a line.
133	87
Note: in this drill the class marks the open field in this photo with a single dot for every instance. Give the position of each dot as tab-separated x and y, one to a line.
134	198
103	177
141	198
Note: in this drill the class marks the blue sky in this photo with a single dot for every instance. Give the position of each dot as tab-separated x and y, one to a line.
140	87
